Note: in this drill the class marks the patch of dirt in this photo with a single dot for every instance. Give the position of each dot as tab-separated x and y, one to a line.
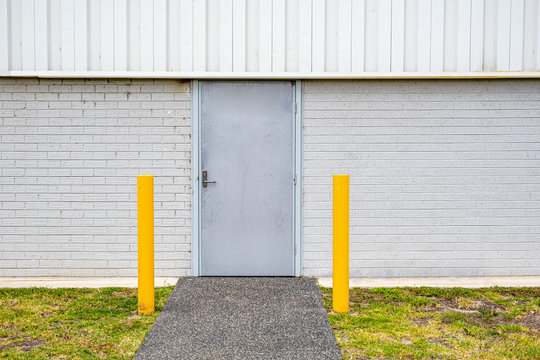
477	305
446	309
440	341
25	345
423	320
135	316
9	302
483	304
7	338
124	293
351	354
531	320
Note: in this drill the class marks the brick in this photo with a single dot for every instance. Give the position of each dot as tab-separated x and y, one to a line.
414	175
81	140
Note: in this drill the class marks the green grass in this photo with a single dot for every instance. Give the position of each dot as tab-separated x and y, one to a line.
103	323
433	323
386	323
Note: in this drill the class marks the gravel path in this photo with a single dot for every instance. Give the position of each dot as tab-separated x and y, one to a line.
242	318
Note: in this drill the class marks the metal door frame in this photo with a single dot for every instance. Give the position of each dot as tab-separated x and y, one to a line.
196	176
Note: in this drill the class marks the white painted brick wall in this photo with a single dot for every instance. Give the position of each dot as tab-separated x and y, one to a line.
70	153
445	176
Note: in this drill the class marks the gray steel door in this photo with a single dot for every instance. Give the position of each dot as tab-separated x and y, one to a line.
247	149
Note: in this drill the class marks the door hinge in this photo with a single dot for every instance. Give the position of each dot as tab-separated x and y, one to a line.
294	249
294	179
295	108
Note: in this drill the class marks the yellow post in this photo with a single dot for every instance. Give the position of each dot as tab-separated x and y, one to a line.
145	224
341	244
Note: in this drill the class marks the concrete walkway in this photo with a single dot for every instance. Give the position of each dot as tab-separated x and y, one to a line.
242	318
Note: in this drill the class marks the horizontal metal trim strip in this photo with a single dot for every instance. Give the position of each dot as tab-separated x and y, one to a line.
270	75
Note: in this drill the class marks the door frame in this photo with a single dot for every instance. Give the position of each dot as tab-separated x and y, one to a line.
196	176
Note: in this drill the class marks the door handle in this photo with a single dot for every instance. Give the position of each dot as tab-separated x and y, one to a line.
205	181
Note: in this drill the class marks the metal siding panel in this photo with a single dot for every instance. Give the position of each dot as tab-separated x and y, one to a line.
424	35
437	35
68	39
55	35
27	37
538	38
94	34
186	35
450	35
477	35
279	17
199	35
332	39
173	35
120	35
278	36
385	35
358	35
4	36
304	29
319	29
504	13
160	35
80	14
134	35
411	36
239	35
15	23
516	35
464	36
265	36
530	30
344	36
398	35
490	36
252	35
226	35
213	30
107	35
372	35
292	36
147	36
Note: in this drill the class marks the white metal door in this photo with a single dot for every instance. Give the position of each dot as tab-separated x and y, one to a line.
247	164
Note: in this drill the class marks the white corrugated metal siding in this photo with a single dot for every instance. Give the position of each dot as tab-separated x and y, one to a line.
304	37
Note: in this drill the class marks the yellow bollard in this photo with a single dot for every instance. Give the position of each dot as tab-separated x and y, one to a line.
341	244
145	224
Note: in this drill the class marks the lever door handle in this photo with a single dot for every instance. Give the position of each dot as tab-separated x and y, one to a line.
205	181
